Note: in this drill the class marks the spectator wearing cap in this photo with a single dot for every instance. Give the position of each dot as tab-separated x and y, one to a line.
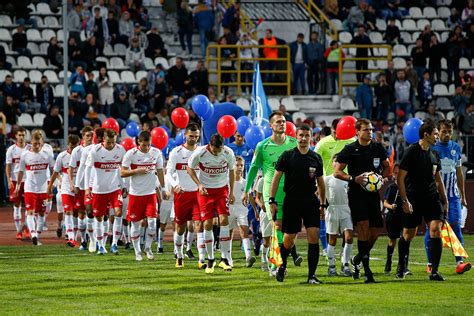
135	56
122	109
142	39
156	46
299	59
361	38
125	28
157	86
204	22
97	26
332	55
20	41
185	27
315	62
365	98
26	97
178	78
199	79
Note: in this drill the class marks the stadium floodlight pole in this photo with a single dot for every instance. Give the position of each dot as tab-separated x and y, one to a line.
65	66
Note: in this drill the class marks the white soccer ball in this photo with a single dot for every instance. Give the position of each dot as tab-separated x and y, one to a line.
372	182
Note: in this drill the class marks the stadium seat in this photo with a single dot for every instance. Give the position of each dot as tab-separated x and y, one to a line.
444	12
12	61
464	63
102	117
422	23
117	63
60	35
372	64
452	89
441	90
347	104
43	9
114	76
123	133
40	22
438	25
25	120
34	35
105	61
415	13
407	38
399	63
34	48
61	74
149	64
38	119
356	114
298	115
382	64
274	103
450	115
35	76
345	37
430	13
408	25
109	51
47	34
24	62
172	62
141	74
4	73
40	63
421	115
127	77
337	24
120	49
52	76
289	104
5	35
443	104
400	50
5	20
51	21
28	136
444	63
44	48
19	75
134	117
243	103
59	90
381	24
391	118
444	37
376	37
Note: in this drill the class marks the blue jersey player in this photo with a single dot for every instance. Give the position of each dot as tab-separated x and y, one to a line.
449	153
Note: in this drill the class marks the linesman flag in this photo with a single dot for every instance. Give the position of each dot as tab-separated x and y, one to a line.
451	241
274	256
259	109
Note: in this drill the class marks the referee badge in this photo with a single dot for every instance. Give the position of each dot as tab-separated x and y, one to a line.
434	169
376	162
312	172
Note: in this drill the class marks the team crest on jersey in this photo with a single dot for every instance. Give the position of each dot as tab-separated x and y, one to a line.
376	162
453	152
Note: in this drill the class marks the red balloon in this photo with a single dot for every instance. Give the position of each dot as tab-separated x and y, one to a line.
227	126
128	143
345	129
290	129
180	117
111	123
159	137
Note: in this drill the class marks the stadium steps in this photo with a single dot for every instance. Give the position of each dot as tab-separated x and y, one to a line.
320	107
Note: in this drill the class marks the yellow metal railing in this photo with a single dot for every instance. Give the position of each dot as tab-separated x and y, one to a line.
347	57
214	65
319	16
246	24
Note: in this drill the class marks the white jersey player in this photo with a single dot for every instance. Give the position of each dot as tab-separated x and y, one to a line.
142	165
35	164
12	168
166	214
216	189
106	186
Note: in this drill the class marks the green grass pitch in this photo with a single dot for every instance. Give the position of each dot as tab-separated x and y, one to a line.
56	280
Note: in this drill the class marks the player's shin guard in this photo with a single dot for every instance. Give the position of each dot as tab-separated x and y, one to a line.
178	243
68	222
225	242
427	245
17	218
90	229
331	254
160	238
322	234
246	244
39	225
99	232
151	233
117	229
189	240
436	249
30	222
457	231
209	243
106	226
135	236
313	259
201	247
347	253
403	248
81	224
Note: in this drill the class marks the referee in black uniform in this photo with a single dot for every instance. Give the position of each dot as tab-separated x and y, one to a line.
303	170
364	155
423	195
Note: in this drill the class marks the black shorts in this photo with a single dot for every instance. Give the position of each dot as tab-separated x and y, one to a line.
393	224
428	208
297	210
365	206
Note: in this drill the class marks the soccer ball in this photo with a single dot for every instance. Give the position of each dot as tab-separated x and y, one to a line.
372	182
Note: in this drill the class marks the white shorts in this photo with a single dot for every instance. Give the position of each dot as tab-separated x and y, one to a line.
338	219
166	211
59	203
266	225
238	216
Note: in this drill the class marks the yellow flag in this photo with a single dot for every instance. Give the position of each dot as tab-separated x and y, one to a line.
451	241
274	255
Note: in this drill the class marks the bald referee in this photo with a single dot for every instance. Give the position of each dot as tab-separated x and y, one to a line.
303	170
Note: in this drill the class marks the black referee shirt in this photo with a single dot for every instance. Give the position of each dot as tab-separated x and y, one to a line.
301	172
360	159
421	166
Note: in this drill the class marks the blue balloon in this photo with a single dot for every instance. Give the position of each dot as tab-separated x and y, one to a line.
200	105
167	129
243	123
267	130
133	129
179	139
410	130
253	136
209	113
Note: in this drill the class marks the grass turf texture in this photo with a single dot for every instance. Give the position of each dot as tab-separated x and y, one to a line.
59	280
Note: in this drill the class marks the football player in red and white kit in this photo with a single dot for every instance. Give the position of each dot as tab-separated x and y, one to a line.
67	190
142	165
78	159
12	168
186	206
103	169
216	190
35	164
